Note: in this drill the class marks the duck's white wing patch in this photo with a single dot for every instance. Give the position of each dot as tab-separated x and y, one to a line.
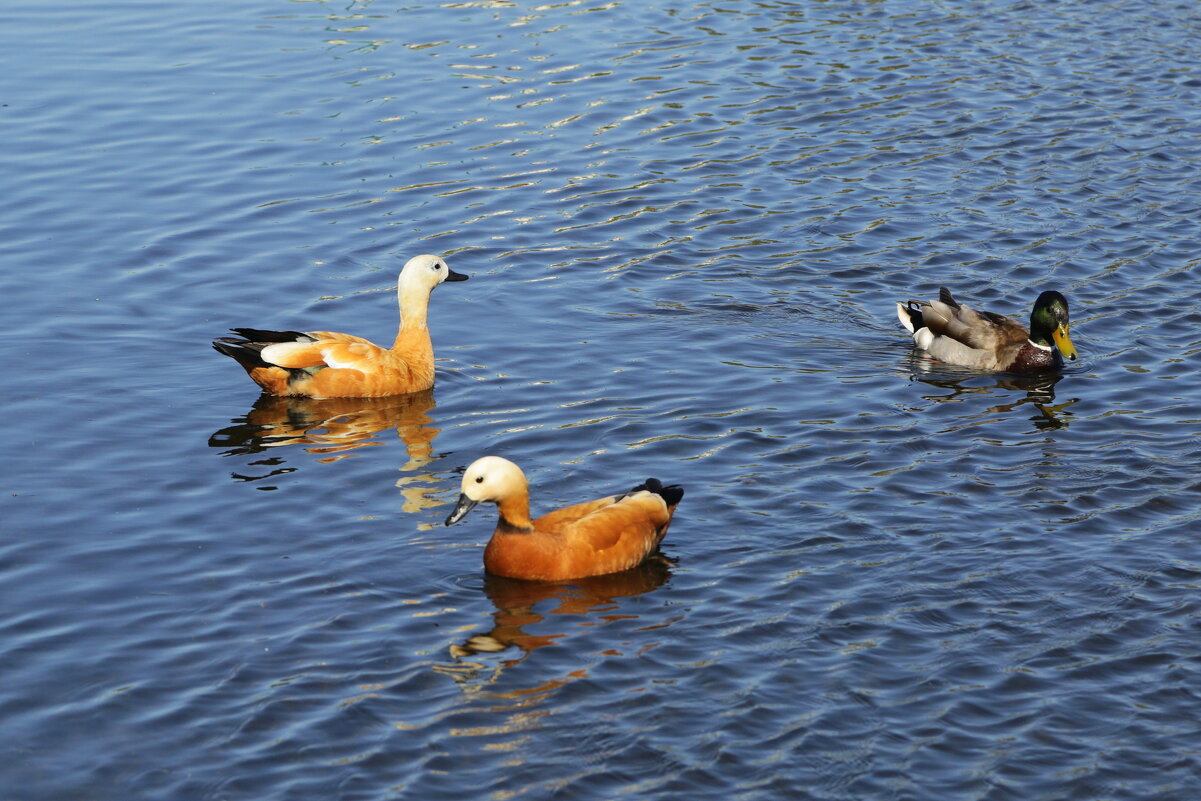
332	360
291	354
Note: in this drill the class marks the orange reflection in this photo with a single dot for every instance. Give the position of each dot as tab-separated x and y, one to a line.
334	428
579	603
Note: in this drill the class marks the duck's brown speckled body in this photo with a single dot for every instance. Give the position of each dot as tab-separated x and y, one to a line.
957	334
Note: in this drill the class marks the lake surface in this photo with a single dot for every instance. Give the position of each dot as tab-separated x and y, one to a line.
686	226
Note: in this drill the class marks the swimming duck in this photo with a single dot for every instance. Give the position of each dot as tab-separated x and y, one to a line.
588	539
954	333
326	364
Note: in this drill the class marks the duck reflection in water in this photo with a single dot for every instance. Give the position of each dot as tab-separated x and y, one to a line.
1039	389
567	607
333	429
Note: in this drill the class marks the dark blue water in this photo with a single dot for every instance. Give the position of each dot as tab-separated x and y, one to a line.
686	225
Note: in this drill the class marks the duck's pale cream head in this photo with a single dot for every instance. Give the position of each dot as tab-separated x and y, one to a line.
426	271
489	479
417	280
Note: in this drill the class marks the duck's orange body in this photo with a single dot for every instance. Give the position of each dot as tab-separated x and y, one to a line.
327	364
588	539
335	365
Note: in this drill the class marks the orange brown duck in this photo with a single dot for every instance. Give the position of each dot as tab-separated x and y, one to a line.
588	539
326	364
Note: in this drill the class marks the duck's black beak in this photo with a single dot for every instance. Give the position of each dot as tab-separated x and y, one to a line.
464	506
451	275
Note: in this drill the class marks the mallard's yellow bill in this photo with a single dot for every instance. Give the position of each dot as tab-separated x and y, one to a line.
1064	342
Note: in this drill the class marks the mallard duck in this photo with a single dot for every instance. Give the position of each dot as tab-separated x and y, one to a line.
957	334
326	364
588	539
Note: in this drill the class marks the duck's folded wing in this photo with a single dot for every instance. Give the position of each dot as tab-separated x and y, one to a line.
977	330
334	336
569	515
632	523
338	351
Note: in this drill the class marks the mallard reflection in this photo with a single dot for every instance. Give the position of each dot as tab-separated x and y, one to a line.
1039	392
573	605
333	428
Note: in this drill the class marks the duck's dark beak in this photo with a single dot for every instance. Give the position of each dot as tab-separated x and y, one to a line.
1062	341
451	275
464	506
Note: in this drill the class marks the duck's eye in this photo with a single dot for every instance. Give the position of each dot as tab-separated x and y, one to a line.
479	479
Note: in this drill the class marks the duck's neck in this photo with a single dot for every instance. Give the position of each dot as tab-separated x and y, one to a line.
1039	336
515	513
414	308
1041	326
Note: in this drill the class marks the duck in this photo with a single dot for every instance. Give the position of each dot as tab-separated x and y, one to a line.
593	538
326	364
957	334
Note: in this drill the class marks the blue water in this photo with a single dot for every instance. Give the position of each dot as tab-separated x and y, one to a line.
686	227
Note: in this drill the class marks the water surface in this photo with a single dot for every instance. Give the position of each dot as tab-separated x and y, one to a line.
686	226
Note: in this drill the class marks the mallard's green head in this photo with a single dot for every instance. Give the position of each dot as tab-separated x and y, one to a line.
1049	323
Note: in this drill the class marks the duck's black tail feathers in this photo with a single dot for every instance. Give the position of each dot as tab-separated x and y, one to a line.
913	314
246	349
243	352
267	337
672	493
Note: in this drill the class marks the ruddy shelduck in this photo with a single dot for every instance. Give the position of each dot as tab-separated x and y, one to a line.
326	364
588	539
